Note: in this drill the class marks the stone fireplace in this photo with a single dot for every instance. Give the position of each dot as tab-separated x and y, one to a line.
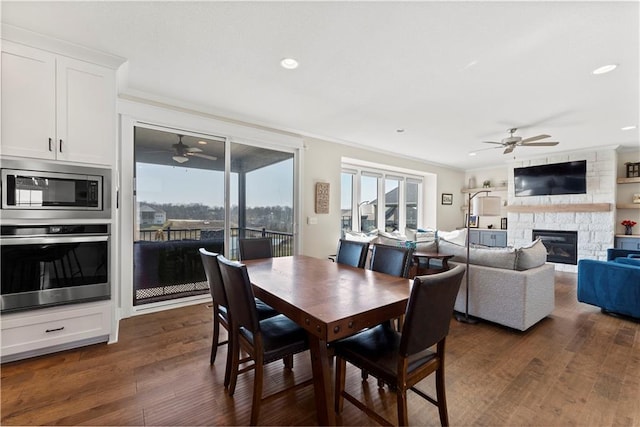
590	216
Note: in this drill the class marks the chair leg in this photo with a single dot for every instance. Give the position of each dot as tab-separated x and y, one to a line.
288	361
403	417
257	392
441	395
234	348
341	368
229	365
216	337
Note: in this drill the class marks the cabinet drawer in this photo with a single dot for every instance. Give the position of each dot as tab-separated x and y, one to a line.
38	329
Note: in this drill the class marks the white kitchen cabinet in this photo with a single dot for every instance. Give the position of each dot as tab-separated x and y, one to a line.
35	332
56	107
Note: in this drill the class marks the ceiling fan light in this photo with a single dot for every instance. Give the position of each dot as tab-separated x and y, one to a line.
181	159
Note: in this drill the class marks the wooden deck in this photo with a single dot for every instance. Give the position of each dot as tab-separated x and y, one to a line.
576	367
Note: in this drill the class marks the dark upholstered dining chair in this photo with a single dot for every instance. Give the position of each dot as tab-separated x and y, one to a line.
403	359
394	260
220	309
265	341
256	248
352	253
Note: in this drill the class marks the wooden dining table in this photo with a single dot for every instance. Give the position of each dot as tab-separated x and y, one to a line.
330	301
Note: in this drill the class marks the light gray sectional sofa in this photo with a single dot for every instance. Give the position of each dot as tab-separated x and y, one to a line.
512	287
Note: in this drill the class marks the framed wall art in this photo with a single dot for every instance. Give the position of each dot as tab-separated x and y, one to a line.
447	198
322	197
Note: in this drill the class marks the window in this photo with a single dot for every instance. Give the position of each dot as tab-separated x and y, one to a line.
375	199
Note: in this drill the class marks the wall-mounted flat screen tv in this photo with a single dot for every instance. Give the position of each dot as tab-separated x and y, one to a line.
552	179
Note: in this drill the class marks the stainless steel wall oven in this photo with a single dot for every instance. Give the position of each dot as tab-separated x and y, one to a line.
49	265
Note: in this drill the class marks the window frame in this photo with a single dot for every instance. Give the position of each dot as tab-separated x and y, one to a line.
382	175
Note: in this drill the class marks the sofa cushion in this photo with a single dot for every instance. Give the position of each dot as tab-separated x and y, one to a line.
456	236
427	246
489	257
391	239
531	256
628	260
360	237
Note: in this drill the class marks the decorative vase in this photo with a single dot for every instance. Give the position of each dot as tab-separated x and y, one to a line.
628	229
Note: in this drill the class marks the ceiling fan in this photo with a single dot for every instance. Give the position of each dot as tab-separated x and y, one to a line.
183	151
511	142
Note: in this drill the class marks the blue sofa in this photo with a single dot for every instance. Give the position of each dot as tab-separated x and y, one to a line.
612	285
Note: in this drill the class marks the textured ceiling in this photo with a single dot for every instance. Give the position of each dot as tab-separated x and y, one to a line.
451	74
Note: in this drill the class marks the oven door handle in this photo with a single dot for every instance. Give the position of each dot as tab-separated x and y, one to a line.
51	240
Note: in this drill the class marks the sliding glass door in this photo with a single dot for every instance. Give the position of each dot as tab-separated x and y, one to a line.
180	206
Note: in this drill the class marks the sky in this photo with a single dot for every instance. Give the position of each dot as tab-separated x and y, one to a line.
270	186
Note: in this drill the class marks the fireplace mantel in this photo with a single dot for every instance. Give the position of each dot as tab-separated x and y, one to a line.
571	207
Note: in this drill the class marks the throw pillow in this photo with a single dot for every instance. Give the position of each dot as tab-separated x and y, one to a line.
531	256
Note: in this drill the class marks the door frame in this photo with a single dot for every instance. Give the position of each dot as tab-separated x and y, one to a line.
141	112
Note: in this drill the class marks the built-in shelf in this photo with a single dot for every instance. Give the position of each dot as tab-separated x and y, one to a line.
475	190
629	180
628	205
631	236
573	207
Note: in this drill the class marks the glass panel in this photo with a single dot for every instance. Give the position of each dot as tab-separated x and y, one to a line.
179	209
262	198
368	206
346	201
391	198
411	203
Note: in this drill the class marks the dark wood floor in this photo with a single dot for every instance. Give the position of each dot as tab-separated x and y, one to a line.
577	367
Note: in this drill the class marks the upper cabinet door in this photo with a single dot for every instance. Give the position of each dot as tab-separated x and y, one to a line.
56	107
86	116
28	102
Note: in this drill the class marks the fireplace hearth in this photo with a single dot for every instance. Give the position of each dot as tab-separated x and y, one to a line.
562	246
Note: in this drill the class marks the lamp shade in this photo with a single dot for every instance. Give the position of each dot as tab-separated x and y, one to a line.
487	206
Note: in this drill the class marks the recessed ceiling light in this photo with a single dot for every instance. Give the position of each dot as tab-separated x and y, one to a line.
604	69
289	63
202	142
629	127
472	154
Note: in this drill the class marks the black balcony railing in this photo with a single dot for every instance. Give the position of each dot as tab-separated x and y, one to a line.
172	267
281	242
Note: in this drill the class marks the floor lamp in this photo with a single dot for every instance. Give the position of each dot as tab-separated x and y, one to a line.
488	206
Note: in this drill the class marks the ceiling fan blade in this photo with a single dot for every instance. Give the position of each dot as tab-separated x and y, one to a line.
492	142
484	149
193	150
509	149
535	138
541	144
203	156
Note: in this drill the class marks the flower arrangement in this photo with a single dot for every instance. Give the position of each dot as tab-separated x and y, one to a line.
628	226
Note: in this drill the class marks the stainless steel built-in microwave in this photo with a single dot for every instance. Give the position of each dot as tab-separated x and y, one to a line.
42	190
